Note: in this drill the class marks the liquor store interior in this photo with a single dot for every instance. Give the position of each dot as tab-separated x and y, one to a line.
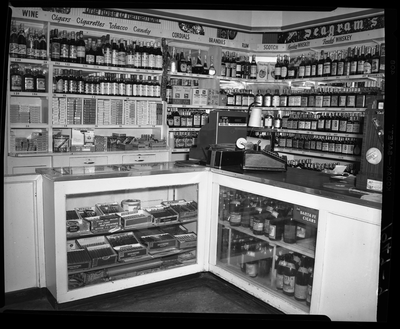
198	161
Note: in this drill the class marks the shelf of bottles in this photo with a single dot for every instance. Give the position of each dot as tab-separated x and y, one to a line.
266	242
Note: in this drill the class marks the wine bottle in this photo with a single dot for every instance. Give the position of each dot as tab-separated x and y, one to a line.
360	61
211	70
302	67
284	68
289	275
21	42
277	71
13	39
302	277
80	49
280	264
327	65
253	68
223	65
320	65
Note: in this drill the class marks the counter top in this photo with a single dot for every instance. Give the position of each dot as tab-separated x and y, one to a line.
300	180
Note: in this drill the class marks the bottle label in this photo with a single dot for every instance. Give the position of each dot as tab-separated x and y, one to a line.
313	70
55	50
89	59
277	71
152	61
283	72
16	83
99	60
275	101
235	218
291	73
353	67
335	125
301	71
375	65
326	100
360	66
367	67
223	70
334	100
122	58
338	148
29	84
288	283
80	52
41	84
159	62
342	125
272	231
318	100
145	60
334	69
307	72
72	52
267	101
340	68
253	71
320	69
351	100
13	49
268	122
279	281
63	51
114	57
327	68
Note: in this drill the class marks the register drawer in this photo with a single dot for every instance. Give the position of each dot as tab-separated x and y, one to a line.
140	157
88	161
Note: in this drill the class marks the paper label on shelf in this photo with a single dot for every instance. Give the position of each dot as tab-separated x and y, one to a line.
305	214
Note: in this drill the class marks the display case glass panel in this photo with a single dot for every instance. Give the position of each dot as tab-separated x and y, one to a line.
127	233
269	243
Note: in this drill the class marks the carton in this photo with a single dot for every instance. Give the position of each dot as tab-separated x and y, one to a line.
181	95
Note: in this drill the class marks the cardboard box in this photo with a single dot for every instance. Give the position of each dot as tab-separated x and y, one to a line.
75	224
262	71
162	214
99	223
184	209
127	246
156	240
199	96
78	259
181	95
99	250
132	218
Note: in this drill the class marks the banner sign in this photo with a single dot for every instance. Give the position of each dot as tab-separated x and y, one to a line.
333	30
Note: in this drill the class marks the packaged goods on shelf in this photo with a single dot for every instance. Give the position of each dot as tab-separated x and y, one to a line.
162	214
181	95
75	224
109	208
262	71
131	219
99	250
99	223
127	246
156	240
185	209
78	259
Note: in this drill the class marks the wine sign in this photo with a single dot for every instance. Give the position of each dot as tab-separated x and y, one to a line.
307	215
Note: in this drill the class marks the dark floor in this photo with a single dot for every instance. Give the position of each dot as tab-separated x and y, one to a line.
200	294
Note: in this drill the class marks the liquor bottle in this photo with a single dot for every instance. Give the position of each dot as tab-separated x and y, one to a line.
15	78
319	98
375	61
145	55
227	65
343	119
276	98
107	51
313	65
247	211
189	63
268	121
280	265
28	80
284	68
360	61
320	65
152	56
351	98
159	57
198	67
347	62
14	40
382	59
338	145
340	64
368	62
334	64
182	63
292	70
289	275
266	102
90	53
327	65
137	59
302	276
277	72
36	45
233	65
325	144
80	83
321	122
29	44
283	98
326	98
64	47
307	67
40	81
334	98
71	49
247	68
80	49
235	212
354	61
253	68
328	122
21	42
309	288
121	53
275	228
99	56
114	53
238	63
289	231
205	66
223	65
302	67
211	70
173	62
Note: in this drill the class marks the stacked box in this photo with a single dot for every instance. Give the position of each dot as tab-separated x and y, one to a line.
185	210
99	250
55	110
35	114
62	119
14	113
78	111
24	113
130	112
89	111
181	95
127	246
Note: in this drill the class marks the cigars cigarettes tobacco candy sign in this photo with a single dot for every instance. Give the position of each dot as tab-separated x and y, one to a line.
306	215
335	29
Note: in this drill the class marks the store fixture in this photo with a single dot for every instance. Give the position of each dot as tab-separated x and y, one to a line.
109	91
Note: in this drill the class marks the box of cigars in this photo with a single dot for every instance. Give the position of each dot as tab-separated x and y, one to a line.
76	225
185	239
99	250
185	209
155	239
126	246
78	259
99	222
162	214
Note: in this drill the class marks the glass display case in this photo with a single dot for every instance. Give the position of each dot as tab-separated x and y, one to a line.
269	242
126	233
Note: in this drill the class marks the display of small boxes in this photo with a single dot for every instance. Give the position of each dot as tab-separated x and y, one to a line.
156	240
78	259
185	239
199	96
162	214
133	218
99	249
185	210
127	246
181	95
99	223
75	224
108	208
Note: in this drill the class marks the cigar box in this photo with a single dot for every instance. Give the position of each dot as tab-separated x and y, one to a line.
99	223
184	209
127	246
78	259
155	239
133	218
99	249
108	208
162	214
188	240
75	224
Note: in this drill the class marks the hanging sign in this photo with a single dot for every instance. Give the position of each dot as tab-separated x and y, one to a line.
333	30
305	214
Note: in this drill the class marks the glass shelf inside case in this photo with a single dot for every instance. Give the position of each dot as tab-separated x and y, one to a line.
126	233
269	243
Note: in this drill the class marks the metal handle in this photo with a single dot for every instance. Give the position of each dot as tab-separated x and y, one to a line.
88	162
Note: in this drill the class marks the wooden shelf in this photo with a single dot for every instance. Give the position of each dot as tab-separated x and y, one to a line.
336	156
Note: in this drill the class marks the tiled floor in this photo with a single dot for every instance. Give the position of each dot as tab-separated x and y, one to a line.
200	294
